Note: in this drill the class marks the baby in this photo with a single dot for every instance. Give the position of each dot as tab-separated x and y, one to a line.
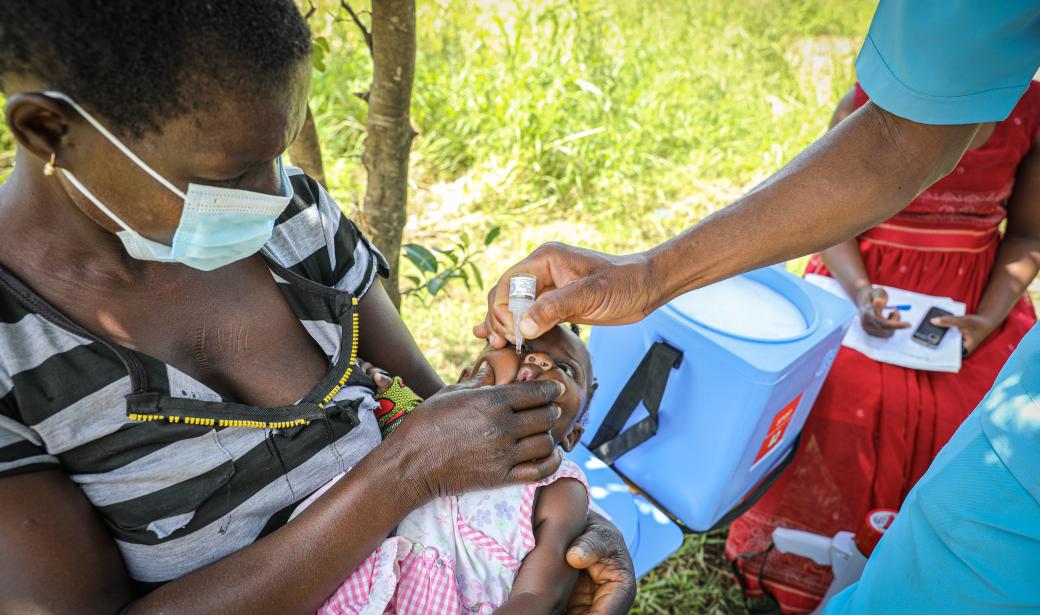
501	550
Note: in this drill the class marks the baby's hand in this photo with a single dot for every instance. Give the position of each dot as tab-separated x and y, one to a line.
379	375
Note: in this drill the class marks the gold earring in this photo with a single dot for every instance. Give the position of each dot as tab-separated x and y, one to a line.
48	168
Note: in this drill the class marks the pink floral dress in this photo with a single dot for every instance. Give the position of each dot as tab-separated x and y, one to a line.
456	555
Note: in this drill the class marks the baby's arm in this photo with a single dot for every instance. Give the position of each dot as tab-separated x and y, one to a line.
545	580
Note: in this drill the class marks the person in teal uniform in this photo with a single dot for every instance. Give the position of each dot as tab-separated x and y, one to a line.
967	539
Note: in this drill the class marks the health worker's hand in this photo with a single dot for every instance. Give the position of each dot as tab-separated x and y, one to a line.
574	285
469	437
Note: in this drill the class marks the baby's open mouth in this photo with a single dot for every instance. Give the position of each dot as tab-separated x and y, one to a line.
528	372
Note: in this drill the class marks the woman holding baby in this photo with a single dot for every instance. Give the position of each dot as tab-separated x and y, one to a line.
182	319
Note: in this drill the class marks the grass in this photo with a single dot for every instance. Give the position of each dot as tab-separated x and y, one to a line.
611	124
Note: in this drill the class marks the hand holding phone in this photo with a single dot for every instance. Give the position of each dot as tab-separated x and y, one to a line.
929	334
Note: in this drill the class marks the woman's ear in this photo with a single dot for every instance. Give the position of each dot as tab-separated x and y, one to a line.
39	123
572	438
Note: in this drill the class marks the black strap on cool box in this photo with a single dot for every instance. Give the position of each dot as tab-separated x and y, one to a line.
647	385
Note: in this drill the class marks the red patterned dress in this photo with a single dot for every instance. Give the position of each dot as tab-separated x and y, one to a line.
876	427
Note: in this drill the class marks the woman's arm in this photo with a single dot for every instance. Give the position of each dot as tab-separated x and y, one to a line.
1018	258
386	342
545	581
58	556
845	262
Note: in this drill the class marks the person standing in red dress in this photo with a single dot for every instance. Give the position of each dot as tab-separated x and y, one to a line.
875	427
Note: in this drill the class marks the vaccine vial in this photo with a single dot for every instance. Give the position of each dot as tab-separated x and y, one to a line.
521	298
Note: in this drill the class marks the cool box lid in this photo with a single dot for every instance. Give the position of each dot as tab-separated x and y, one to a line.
760	306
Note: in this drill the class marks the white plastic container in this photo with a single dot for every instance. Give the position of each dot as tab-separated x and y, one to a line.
754	352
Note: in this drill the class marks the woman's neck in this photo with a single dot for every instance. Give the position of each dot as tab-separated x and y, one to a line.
42	231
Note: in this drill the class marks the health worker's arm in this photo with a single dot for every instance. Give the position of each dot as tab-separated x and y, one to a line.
845	263
862	172
926	103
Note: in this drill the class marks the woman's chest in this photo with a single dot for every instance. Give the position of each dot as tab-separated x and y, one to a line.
235	332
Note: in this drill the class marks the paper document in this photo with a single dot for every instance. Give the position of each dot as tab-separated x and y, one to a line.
901	349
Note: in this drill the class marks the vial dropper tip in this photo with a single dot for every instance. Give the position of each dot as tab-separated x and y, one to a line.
517	335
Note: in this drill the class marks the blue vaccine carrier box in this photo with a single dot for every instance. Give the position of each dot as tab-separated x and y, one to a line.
699	404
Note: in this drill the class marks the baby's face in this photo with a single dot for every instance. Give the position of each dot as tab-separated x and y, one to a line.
558	355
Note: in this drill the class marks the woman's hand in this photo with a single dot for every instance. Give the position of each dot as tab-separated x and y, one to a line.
974	328
871	301
469	437
607	585
574	285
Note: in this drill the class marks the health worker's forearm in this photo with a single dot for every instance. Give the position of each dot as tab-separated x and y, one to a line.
865	170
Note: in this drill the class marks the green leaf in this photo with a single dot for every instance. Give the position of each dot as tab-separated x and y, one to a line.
318	58
476	273
416	282
437	283
421	257
450	254
492	235
462	275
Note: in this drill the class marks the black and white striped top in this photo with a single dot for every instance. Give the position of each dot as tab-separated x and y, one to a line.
181	477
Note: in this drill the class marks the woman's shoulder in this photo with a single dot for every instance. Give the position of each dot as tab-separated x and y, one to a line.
314	239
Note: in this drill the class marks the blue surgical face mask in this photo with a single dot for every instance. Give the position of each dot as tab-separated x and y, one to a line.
218	226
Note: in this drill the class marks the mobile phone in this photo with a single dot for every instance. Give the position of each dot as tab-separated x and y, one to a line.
929	334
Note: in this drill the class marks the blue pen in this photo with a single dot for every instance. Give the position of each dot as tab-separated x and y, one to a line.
902	307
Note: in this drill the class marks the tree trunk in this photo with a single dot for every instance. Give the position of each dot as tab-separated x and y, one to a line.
305	151
390	132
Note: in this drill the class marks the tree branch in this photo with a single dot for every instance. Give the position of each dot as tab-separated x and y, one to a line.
364	31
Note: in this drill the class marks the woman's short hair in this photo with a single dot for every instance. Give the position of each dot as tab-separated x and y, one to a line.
141	62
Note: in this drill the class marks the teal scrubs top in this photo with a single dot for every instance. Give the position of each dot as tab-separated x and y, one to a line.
950	61
967	538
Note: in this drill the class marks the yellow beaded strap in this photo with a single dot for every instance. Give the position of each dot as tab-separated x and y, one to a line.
214	422
353	357
193	420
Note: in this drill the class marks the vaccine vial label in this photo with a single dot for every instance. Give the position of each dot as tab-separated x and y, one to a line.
522	287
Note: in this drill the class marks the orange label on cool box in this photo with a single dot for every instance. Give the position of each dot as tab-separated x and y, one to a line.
775	433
